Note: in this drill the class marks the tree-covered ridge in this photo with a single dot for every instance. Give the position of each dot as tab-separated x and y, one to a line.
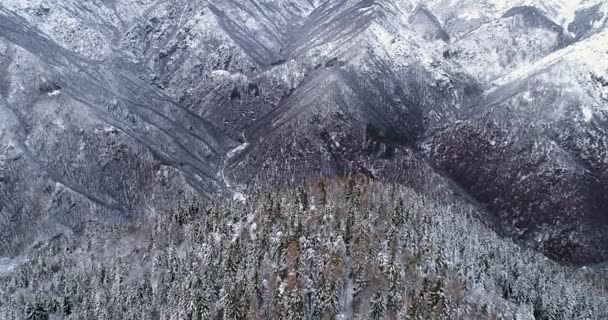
339	249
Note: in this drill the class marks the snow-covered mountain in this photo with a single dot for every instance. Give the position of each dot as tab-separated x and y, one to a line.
115	109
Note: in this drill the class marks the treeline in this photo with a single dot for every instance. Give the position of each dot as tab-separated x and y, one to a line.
346	248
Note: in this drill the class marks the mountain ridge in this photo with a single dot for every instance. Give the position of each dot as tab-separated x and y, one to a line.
131	106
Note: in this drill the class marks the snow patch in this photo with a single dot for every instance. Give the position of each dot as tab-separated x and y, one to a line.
236	195
59	123
238	149
471	15
588	55
8	265
587	113
220	73
239	196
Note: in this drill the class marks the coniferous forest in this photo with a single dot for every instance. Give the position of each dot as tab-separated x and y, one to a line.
304	159
346	248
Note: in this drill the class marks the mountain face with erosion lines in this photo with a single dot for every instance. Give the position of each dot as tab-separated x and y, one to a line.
112	111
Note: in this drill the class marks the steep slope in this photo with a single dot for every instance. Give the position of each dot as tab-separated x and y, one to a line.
91	29
522	35
343	248
590	17
345	106
543	129
115	109
87	139
462	16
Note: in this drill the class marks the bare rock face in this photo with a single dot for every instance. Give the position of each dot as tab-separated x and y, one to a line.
113	110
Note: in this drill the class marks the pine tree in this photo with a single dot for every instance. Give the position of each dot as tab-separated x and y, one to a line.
414	311
235	308
349	191
36	312
302	198
436	294
201	307
322	193
377	306
483	310
66	305
395	299
437	299
295	308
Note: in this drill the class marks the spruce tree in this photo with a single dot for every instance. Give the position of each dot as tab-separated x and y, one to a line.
66	305
377	306
36	312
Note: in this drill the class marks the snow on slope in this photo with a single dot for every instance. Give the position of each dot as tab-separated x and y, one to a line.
589	54
560	11
503	45
580	71
86	27
463	16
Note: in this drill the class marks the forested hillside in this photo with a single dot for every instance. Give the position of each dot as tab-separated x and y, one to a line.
348	248
114	110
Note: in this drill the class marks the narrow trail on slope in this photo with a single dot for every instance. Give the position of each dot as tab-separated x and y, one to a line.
236	195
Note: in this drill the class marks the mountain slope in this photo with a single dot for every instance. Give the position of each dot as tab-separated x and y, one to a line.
544	128
90	137
343	248
114	110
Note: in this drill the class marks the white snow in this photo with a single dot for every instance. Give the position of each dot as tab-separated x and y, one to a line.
238	149
8	265
220	73
587	113
59	123
470	15
589	54
236	195
54	93
239	196
564	10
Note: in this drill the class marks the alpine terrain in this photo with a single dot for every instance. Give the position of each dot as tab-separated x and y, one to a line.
303	159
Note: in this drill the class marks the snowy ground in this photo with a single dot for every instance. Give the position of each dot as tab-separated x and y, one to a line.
8	265
237	195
